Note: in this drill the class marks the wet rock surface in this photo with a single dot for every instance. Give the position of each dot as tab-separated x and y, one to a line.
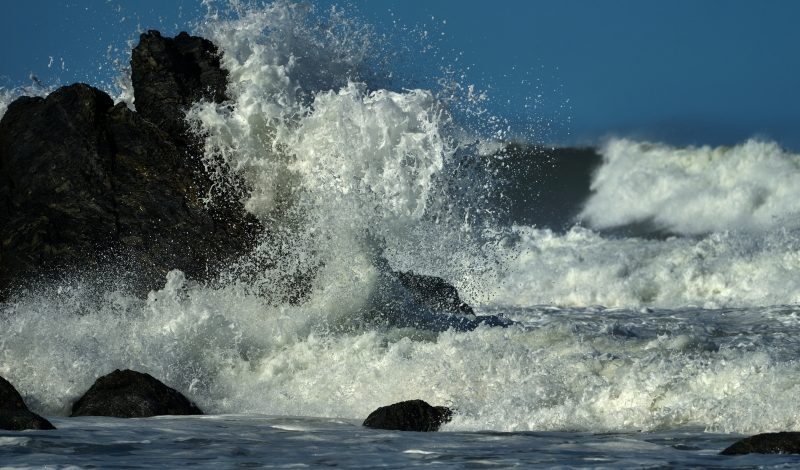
767	443
412	415
131	394
85	183
170	74
433	292
404	299
14	414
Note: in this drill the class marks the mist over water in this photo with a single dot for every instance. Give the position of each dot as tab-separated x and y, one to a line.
614	332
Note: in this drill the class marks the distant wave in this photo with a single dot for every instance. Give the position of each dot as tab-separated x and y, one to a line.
582	267
695	190
658	226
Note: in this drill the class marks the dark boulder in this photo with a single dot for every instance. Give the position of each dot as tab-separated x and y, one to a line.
433	293
131	394
170	74
412	415
14	414
767	443
84	183
442	308
407	299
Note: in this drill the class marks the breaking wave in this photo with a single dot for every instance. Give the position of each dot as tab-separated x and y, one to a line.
697	190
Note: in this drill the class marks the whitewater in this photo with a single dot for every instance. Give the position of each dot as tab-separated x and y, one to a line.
652	332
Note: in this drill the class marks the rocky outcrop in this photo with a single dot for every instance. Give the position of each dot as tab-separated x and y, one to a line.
170	74
85	183
131	394
412	415
14	414
767	443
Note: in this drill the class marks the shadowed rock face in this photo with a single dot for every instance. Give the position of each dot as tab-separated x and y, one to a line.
170	74
131	394
412	415
433	292
85	183
14	415
767	443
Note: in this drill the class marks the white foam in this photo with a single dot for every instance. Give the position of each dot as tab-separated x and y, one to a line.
578	369
582	268
695	190
345	165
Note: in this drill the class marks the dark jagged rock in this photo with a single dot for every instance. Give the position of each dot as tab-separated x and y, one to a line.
131	394
412	415
767	443
84	182
14	414
170	74
433	292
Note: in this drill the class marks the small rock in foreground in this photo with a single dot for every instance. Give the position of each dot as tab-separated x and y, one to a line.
131	394
14	414
412	415
767	443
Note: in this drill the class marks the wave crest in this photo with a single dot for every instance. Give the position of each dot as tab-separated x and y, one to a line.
695	190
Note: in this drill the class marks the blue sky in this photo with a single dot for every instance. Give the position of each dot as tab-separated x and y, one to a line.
681	71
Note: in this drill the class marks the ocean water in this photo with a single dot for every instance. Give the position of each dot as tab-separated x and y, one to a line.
653	333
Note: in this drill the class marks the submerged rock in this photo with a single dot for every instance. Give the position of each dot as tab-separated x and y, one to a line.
412	415
407	299
85	183
433	293
767	443
14	414
131	394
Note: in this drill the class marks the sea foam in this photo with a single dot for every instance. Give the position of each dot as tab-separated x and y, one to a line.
696	190
582	268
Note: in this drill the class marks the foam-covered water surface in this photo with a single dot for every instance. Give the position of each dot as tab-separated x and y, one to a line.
583	267
587	369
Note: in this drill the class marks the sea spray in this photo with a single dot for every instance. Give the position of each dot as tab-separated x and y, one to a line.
341	164
8	95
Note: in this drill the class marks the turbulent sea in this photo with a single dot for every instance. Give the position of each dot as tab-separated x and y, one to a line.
651	331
